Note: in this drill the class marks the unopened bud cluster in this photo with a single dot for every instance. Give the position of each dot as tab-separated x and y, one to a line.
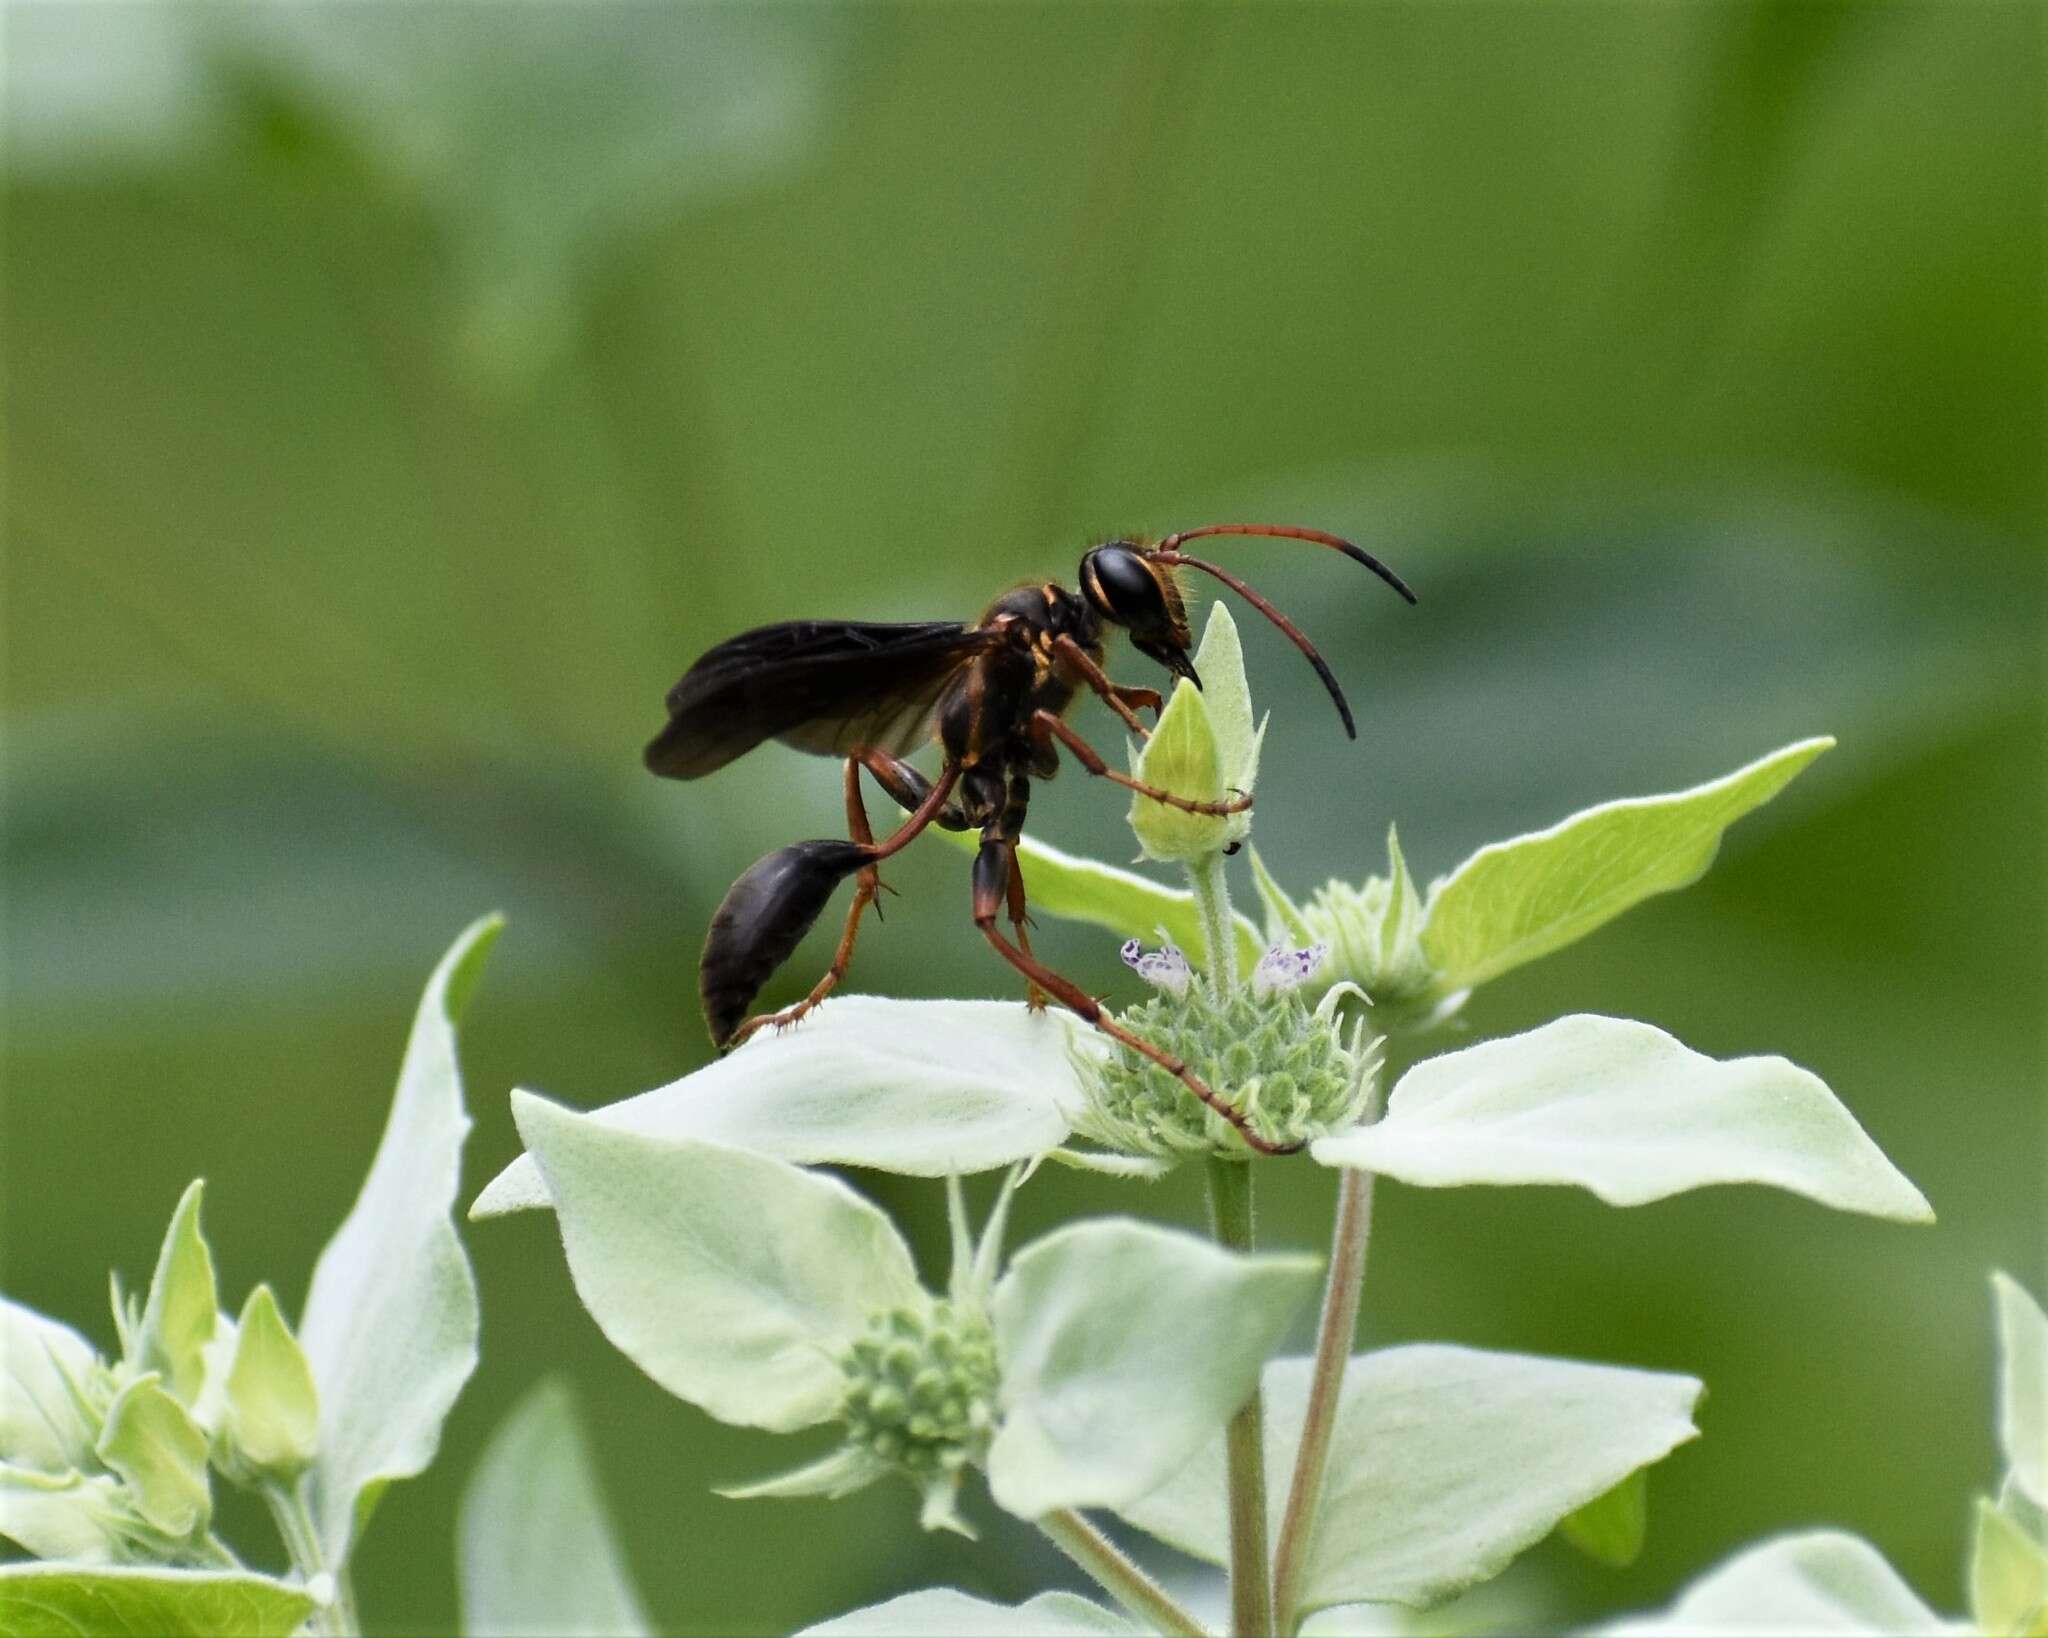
1286	1068
921	1388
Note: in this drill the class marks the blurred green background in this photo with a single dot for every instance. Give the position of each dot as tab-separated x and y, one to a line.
399	397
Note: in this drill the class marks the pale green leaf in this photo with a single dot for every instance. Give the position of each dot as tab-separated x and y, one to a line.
1624	1110
43	1422
1129	905
1446	1462
930	1088
1284	923
2022	1386
179	1318
535	1548
1514	901
845	1470
1612	1527
1820	1582
151	1440
2008	1575
731	1278
272	1412
940	1612
67	1601
64	1515
390	1325
1123	1348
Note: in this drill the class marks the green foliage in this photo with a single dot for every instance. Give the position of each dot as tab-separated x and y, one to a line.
2023	1387
390	1326
944	1613
64	1601
1445	1463
1612	1527
1624	1110
1515	901
535	1551
1123	1348
105	1463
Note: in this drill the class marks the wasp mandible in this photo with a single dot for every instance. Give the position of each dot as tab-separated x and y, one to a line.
996	696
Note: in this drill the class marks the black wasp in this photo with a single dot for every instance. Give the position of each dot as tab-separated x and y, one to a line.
996	695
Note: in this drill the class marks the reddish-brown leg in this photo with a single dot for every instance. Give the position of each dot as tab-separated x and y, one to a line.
1045	726
991	874
1020	922
1117	697
865	889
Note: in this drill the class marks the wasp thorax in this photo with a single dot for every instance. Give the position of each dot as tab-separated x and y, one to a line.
1288	1068
921	1388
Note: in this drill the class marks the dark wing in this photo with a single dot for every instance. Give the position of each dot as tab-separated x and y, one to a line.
819	685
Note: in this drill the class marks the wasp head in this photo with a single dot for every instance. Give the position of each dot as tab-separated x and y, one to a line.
1128	589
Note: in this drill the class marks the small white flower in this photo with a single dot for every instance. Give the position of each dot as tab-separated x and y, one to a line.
1165	969
1282	969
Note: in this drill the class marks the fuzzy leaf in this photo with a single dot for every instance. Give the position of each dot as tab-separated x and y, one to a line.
930	1088
1612	1527
1123	1349
1514	901
731	1278
151	1440
940	1612
178	1320
1446	1462
535	1547
2008	1575
1819	1582
64	1515
2023	1387
390	1325
1129	905
42	1423
1624	1110
64	1601
844	1471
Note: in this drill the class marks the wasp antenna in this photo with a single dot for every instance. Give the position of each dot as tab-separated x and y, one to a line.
1163	554
1288	531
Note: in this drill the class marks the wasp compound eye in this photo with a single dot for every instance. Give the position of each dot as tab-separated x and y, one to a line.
1125	588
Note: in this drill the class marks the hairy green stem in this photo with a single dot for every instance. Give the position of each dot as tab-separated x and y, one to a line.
1251	1589
1106	1563
1219	926
295	1524
1335	1333
1326	1381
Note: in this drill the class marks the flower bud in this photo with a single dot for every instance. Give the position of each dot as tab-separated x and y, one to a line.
1288	1069
271	1423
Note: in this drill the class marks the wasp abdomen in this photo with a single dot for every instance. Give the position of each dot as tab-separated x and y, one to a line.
762	919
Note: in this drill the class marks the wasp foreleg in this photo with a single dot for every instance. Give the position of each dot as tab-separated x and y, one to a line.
1045	727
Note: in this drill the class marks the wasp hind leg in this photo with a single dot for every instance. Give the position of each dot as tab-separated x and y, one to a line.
754	932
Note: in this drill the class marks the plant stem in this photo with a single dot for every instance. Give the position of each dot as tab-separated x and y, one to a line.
1219	926
1251	1590
295	1524
1116	1574
1335	1332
